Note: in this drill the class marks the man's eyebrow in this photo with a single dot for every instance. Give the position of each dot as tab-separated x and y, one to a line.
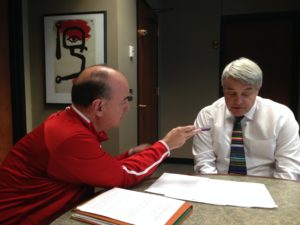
128	98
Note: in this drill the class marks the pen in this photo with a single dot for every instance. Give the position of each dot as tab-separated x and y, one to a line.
205	129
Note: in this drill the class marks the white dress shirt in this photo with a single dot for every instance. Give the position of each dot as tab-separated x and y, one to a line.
271	140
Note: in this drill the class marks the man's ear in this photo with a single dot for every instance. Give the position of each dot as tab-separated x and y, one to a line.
98	106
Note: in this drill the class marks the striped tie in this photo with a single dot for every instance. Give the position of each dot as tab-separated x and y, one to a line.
237	155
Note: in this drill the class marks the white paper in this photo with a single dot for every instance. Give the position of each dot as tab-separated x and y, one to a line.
213	191
133	207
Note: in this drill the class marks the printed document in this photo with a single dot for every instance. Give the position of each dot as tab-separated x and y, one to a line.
213	191
132	207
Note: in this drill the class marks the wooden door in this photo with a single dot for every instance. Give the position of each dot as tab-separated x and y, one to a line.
147	74
270	40
6	135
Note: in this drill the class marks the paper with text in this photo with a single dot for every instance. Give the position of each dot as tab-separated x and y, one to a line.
133	207
213	191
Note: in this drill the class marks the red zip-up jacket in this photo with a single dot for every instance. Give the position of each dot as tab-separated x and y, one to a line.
55	167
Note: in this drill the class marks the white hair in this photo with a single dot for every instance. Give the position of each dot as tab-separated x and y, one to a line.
244	70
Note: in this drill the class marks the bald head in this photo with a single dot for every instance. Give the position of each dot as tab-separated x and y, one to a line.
93	73
95	82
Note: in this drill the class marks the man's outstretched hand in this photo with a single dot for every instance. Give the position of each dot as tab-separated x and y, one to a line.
179	135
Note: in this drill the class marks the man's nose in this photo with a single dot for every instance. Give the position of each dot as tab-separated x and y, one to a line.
238	99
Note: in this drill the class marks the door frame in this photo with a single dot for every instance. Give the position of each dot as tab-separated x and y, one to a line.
147	101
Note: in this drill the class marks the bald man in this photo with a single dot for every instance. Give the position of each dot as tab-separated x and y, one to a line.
58	164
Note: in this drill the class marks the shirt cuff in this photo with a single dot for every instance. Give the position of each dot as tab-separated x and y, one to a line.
167	147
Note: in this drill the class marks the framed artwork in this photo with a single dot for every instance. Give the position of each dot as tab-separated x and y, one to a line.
72	43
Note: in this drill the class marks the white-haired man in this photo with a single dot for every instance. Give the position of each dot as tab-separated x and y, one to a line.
269	145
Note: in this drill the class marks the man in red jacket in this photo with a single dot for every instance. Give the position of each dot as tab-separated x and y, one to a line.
55	167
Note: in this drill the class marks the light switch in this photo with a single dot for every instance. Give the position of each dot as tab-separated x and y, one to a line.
131	51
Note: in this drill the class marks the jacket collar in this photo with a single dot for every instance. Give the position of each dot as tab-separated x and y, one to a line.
102	136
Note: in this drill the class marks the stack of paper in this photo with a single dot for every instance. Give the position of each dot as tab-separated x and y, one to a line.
213	191
121	206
